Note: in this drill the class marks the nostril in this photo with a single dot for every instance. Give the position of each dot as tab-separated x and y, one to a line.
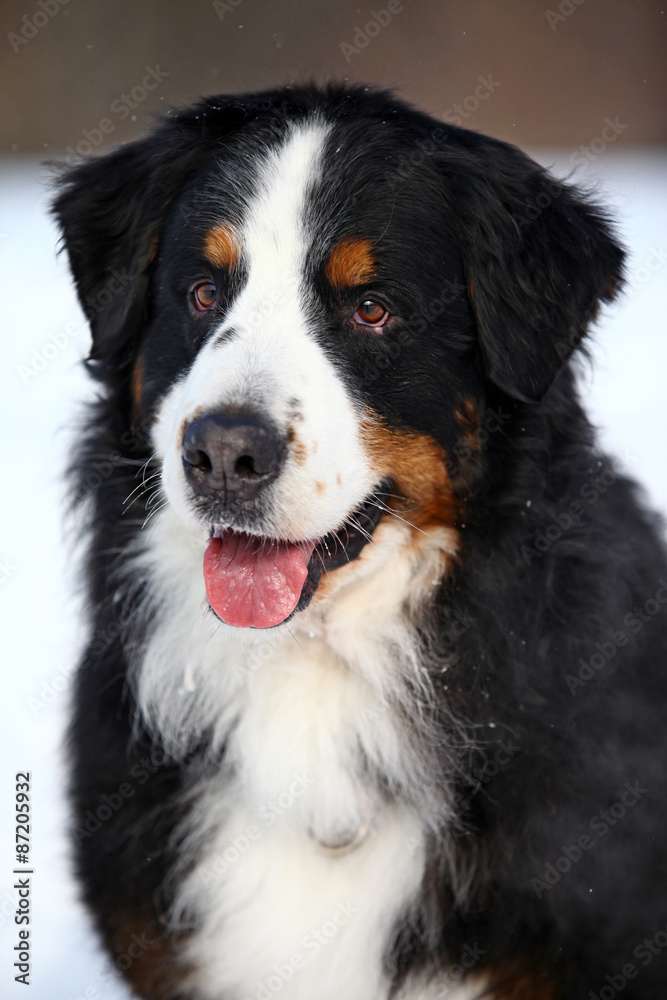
244	467
231	455
197	458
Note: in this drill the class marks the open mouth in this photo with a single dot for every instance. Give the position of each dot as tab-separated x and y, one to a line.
254	582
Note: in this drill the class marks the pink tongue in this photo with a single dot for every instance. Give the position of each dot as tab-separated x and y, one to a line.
252	583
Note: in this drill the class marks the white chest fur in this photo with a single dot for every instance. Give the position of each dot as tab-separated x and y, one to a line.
278	911
317	754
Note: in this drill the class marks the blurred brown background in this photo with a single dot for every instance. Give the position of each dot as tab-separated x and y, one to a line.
89	73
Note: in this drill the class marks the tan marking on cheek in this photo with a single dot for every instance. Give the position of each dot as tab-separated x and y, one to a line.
418	466
222	246
423	498
350	263
319	488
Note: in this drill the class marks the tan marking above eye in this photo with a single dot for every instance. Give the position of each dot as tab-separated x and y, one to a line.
222	246
350	263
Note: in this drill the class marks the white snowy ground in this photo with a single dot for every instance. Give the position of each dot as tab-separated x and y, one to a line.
40	385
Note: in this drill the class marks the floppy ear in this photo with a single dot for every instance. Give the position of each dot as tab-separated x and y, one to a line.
110	210
539	259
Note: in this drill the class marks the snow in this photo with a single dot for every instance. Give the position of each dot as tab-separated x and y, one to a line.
44	339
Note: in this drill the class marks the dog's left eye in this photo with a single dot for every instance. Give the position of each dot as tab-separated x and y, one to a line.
371	313
203	296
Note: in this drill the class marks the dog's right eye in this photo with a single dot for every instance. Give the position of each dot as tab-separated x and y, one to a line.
203	296
371	313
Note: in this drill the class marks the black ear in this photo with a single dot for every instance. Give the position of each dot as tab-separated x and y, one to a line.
110	210
539	257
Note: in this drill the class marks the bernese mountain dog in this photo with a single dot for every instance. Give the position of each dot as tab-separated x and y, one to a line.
373	703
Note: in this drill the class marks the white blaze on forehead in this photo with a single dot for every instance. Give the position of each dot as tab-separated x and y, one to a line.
275	230
266	357
273	312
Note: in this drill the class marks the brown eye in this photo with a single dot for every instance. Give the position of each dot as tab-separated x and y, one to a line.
203	296
371	313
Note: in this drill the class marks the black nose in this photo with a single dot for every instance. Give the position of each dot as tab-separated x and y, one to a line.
231	456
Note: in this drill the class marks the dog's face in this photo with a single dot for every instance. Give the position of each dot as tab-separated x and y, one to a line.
323	302
289	295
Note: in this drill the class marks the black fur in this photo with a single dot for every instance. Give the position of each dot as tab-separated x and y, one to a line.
558	552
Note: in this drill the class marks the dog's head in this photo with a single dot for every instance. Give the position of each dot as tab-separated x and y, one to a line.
311	296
